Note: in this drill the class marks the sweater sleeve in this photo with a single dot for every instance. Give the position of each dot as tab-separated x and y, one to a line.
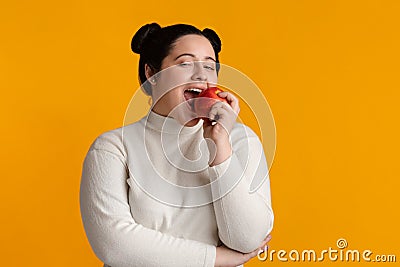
115	237
241	186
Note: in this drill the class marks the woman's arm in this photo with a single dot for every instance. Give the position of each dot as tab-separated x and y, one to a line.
244	215
115	237
244	218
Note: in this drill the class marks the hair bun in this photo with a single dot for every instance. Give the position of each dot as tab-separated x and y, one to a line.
213	37
142	35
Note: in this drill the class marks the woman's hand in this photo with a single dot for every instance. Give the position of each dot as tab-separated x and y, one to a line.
230	258
217	134
225	115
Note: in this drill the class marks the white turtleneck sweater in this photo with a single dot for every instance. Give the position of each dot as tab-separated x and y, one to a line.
149	198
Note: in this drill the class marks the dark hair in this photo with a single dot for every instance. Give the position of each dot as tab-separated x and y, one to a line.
154	43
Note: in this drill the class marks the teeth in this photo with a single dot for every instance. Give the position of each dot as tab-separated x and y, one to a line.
194	90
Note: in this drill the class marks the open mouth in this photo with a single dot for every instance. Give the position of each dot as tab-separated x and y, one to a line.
190	94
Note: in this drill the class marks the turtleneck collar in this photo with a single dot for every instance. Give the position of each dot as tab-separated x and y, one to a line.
168	125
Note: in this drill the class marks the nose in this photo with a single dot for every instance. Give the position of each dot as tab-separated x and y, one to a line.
199	73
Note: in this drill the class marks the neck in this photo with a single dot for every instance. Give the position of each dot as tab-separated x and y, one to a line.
161	110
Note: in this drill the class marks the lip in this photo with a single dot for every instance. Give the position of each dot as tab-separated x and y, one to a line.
190	102
201	87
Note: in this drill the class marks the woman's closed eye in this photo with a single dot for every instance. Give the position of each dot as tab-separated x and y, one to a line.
186	64
209	66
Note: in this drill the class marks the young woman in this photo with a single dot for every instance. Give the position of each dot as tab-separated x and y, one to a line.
137	205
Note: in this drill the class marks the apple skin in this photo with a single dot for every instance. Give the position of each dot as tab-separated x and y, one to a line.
205	100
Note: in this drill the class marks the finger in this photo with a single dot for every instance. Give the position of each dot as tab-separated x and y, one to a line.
263	247
213	114
226	106
217	107
232	100
221	116
215	110
219	104
265	241
222	107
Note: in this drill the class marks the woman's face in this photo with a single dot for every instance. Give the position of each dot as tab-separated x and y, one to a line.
189	68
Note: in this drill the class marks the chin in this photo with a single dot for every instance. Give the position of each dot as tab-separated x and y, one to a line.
185	116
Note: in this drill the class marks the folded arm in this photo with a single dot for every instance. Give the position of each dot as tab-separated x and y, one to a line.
241	184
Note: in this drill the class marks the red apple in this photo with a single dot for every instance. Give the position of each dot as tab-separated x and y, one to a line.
205	100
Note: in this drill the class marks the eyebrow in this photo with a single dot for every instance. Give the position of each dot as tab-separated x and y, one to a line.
191	55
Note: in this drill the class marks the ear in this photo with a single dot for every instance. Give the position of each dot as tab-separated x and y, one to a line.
149	73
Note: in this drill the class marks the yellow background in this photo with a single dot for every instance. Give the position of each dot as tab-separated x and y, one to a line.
329	70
